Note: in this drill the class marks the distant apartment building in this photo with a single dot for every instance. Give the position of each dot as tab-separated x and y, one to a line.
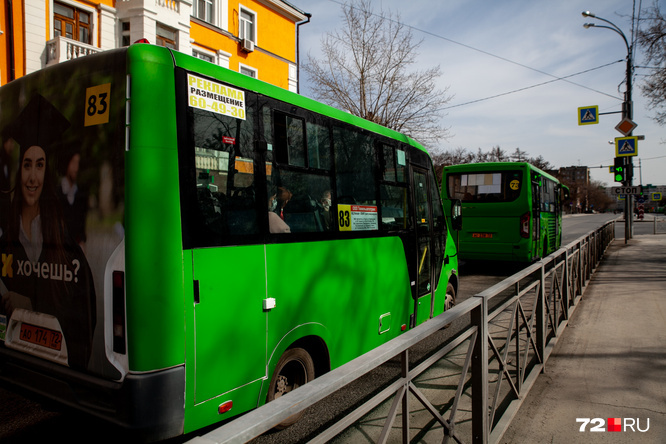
575	175
577	178
254	37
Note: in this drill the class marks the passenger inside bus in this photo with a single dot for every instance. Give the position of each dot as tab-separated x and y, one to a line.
325	210
275	223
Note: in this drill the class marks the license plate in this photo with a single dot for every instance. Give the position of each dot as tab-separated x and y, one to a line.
483	235
41	336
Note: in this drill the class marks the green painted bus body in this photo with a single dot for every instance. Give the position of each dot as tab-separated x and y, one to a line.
197	332
506	225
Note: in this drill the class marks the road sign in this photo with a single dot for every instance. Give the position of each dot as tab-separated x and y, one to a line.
656	197
627	190
626	126
626	146
588	115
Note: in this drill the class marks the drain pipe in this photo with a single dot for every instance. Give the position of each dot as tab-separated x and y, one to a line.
298	51
10	40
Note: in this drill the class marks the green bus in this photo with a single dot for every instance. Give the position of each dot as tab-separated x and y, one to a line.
181	243
512	210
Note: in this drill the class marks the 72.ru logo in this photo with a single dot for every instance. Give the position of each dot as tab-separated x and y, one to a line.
614	424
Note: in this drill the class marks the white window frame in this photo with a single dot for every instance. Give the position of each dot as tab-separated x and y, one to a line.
196	51
242	24
213	13
241	67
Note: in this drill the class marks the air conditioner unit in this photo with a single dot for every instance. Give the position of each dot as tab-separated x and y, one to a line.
247	45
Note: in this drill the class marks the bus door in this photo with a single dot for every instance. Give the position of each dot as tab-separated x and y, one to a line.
222	239
229	321
536	218
423	262
558	215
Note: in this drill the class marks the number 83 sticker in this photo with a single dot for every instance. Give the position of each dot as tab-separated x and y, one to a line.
97	104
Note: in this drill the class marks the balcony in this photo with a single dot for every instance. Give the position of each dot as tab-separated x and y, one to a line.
61	49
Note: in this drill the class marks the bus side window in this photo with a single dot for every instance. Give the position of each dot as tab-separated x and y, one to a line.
393	191
301	163
224	162
289	139
354	163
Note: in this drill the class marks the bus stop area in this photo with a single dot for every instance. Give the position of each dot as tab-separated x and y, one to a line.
609	367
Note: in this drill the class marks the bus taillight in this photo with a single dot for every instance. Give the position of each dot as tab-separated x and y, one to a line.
525	225
225	407
119	312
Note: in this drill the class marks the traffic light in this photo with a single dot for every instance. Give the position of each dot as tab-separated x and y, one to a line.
620	170
629	171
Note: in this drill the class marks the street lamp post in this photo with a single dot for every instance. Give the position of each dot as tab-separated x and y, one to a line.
627	112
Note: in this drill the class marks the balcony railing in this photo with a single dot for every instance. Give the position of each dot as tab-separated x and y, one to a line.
61	49
171	5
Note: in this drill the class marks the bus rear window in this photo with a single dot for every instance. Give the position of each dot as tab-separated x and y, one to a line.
492	186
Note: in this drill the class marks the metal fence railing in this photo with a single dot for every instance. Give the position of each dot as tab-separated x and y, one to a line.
659	224
470	388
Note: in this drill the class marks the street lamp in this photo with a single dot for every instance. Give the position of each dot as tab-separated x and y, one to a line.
627	112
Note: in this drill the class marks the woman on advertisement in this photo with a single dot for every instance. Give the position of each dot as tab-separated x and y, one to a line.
45	273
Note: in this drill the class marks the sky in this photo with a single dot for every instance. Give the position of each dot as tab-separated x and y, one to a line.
487	48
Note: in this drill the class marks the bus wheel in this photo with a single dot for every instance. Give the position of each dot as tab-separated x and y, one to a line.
294	369
450	300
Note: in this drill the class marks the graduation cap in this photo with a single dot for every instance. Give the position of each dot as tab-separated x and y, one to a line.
38	124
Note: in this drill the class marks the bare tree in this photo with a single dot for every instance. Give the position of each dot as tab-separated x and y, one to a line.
519	156
652	38
540	163
365	71
441	159
497	154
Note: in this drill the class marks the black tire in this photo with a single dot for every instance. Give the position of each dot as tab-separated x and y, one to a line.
450	300
294	369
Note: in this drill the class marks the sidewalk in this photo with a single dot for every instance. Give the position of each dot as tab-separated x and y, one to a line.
611	359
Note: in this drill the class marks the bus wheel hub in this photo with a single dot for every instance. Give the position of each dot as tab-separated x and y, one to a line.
281	386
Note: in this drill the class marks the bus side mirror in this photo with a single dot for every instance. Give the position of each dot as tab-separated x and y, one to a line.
456	215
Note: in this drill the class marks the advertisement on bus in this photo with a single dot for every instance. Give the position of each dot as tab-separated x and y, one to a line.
61	213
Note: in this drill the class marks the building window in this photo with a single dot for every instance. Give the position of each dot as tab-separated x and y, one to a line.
204	10
203	56
247	25
251	72
124	33
166	37
71	23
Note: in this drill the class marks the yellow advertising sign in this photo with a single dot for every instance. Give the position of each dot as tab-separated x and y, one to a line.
216	97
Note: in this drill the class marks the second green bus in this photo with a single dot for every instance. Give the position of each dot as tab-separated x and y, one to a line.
512	210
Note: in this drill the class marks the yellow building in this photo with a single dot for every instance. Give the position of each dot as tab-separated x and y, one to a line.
255	37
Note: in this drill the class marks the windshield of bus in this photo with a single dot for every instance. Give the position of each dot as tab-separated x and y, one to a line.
482	187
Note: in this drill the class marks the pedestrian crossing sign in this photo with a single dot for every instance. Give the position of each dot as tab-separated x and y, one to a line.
626	146
588	115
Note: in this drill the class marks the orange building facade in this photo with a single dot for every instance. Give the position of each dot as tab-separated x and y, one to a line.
254	37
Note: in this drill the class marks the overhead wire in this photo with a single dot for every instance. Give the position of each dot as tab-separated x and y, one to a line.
533	86
556	78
